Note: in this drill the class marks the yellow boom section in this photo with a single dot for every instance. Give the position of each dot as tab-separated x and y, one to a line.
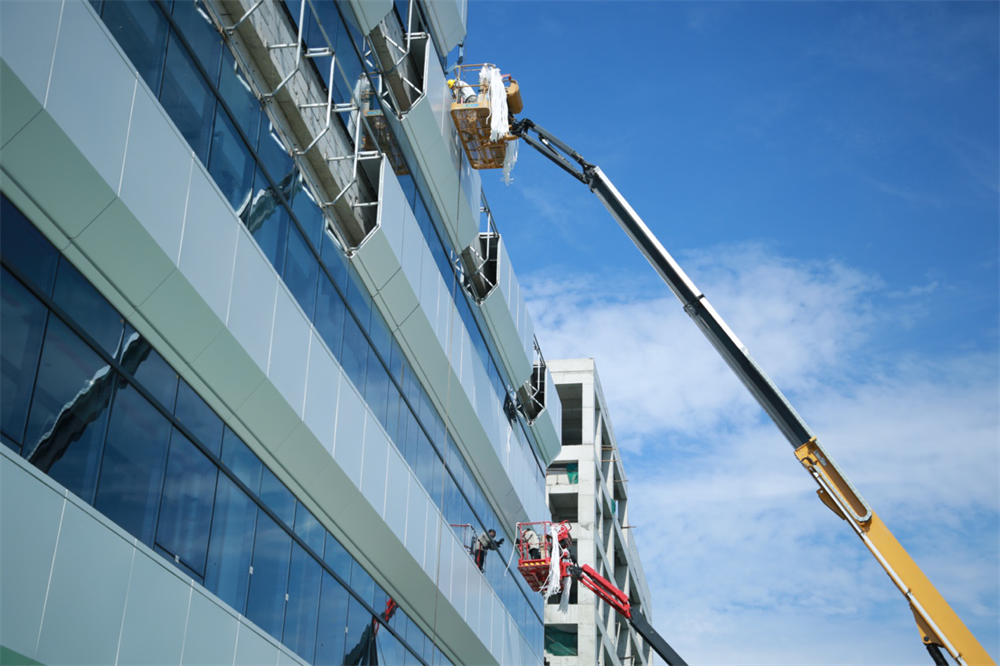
938	623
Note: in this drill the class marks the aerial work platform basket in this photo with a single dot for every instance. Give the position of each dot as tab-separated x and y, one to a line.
473	110
535	550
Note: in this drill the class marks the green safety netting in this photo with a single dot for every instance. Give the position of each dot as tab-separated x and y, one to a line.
573	472
560	643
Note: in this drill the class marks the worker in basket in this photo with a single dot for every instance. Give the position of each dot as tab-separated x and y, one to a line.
529	542
462	91
484	543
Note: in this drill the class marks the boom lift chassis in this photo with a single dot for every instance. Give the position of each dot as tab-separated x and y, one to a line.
939	626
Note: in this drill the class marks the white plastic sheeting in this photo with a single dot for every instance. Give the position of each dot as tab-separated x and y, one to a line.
491	79
553	584
509	160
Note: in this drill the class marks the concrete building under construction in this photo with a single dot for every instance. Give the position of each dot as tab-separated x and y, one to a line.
586	485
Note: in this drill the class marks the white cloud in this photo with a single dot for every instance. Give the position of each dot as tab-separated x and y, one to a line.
664	375
740	556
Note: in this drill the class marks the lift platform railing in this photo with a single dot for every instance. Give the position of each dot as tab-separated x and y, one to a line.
470	110
534	552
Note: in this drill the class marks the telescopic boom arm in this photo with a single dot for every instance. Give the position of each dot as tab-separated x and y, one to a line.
535	562
940	627
617	599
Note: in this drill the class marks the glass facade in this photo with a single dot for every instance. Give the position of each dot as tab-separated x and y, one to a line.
89	401
200	85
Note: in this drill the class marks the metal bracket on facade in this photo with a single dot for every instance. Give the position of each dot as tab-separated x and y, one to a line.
421	91
412	40
301	52
230	29
532	393
480	262
331	108
268	98
305	52
358	157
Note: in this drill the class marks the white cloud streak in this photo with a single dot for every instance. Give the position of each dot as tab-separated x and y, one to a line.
740	557
665	376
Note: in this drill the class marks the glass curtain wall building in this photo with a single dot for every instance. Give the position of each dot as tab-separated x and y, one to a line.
240	366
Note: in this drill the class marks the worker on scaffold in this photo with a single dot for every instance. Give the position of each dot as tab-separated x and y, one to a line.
484	543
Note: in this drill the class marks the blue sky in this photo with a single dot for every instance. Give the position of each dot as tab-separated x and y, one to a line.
827	173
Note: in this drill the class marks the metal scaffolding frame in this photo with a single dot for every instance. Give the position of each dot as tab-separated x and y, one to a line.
327	107
411	40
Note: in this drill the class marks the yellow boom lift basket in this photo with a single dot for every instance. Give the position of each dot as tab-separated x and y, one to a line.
470	111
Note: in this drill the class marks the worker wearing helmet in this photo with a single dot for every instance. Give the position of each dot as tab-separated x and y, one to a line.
462	91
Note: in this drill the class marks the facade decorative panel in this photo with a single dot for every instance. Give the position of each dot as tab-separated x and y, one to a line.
223	407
